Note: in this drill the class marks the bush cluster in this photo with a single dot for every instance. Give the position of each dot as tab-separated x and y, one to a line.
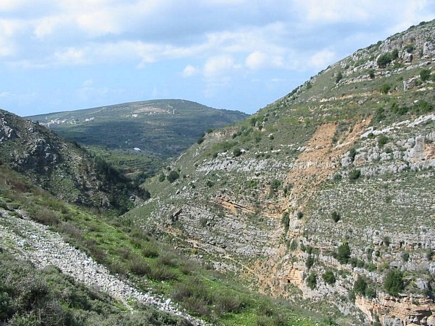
393	283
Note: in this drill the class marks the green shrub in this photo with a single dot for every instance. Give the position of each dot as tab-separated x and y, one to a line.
423	107
329	277
310	262
172	176
385	88
312	281
200	139
237	152
139	267
339	77
370	292
274	185
299	215
162	177
150	251
343	254
393	283
293	245
285	220
162	273
335	216
352	153
45	216
424	74
379	114
384	60
354	175
387	241
360	285
409	48
382	140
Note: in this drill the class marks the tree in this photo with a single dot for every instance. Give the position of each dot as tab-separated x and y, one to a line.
360	286
329	277
172	176
343	255
385	88
339	77
394	282
335	216
384	60
312	281
310	262
354	175
237	152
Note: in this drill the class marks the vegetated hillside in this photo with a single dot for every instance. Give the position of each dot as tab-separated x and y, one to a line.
159	128
65	169
325	197
61	264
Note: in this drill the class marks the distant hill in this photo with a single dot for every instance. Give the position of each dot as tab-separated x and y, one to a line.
326	196
150	130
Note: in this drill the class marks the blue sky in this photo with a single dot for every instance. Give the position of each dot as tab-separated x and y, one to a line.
230	54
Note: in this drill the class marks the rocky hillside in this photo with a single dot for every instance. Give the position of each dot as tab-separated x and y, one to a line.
325	197
65	169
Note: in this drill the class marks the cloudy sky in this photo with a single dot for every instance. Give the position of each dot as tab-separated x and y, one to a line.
58	55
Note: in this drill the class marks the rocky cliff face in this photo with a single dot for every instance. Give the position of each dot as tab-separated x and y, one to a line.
65	169
325	197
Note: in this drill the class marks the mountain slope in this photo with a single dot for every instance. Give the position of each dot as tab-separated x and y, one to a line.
326	193
159	128
63	264
65	169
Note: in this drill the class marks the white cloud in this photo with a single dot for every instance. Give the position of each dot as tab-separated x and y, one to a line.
333	11
321	59
70	56
189	71
99	23
219	65
50	25
11	5
256	60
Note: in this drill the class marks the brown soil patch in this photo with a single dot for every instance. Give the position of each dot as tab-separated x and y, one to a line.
320	159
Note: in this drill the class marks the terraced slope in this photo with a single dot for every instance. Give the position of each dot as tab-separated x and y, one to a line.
325	197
